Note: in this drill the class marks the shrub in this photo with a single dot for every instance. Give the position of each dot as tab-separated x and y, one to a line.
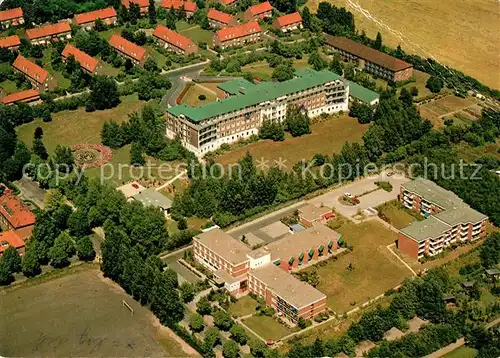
202	97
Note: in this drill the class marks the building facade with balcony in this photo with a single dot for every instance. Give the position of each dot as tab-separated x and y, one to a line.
46	34
448	220
375	62
205	128
11	17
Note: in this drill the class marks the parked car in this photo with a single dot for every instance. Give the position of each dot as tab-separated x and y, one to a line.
348	195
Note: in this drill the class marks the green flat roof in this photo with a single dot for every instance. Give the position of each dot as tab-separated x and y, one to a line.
234	87
461	214
361	93
428	228
259	93
432	192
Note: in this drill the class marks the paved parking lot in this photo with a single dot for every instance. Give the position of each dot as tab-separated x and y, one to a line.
370	200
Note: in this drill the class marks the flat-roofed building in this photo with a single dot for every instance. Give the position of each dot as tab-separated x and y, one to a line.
10	42
45	34
11	17
286	294
127	49
310	214
259	11
40	79
205	128
152	197
87	20
87	62
289	22
173	41
219	20
189	7
143	5
449	221
30	95
370	60
237	35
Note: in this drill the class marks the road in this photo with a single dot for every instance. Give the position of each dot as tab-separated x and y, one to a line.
183	273
30	190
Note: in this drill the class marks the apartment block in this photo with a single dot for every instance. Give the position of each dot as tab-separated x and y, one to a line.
130	50
87	62
448	220
264	271
40	79
205	128
87	20
45	34
219	19
189	7
26	96
289	22
370	60
143	5
237	35
11	17
10	42
173	41
259	11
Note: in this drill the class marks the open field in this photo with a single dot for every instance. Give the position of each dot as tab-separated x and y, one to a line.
244	306
79	314
461	110
262	70
197	34
464	37
191	96
420	82
470	154
327	137
375	269
62	82
267	327
9	86
393	212
462	352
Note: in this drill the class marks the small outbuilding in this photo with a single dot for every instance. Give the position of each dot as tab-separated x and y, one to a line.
151	197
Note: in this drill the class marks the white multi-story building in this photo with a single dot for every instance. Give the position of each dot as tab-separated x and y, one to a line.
242	107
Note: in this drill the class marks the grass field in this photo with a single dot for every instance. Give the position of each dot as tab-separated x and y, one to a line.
450	107
267	327
9	86
470	154
462	352
207	89
327	137
420	82
197	34
375	269
62	82
262	70
394	213
79	314
465	36
244	306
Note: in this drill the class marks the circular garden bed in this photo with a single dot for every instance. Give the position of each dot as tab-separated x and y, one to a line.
91	155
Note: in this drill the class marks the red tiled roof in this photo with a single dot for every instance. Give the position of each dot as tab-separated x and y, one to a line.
233	32
14	211
127	47
219	16
260	8
30	69
189	6
11	14
87	62
143	4
367	53
227	2
48	30
10	41
94	15
172	37
21	96
10	238
289	19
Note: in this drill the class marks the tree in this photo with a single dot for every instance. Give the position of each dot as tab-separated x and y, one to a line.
306	17
58	256
11	260
46	116
111	135
30	263
230	349
434	84
286	6
490	251
297	121
136	157
64	159
406	97
203	306
377	45
222	320
5	275
187	291
258	348
336	66
414	91
39	149
238	334
85	249
99	25
152	12
283	72
38	133
171	19
61	216
151	65
65	241
165	301
182	223
53	199
78	224
362	112
316	61
212	338
103	93
71	64
196	322
272	129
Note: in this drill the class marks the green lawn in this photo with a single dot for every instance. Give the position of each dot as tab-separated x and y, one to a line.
267	327
108	33
107	69
62	82
155	55
192	94
462	352
244	306
9	86
198	35
259	69
395	214
182	25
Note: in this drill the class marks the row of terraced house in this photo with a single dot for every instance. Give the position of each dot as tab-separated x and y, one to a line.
448	220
